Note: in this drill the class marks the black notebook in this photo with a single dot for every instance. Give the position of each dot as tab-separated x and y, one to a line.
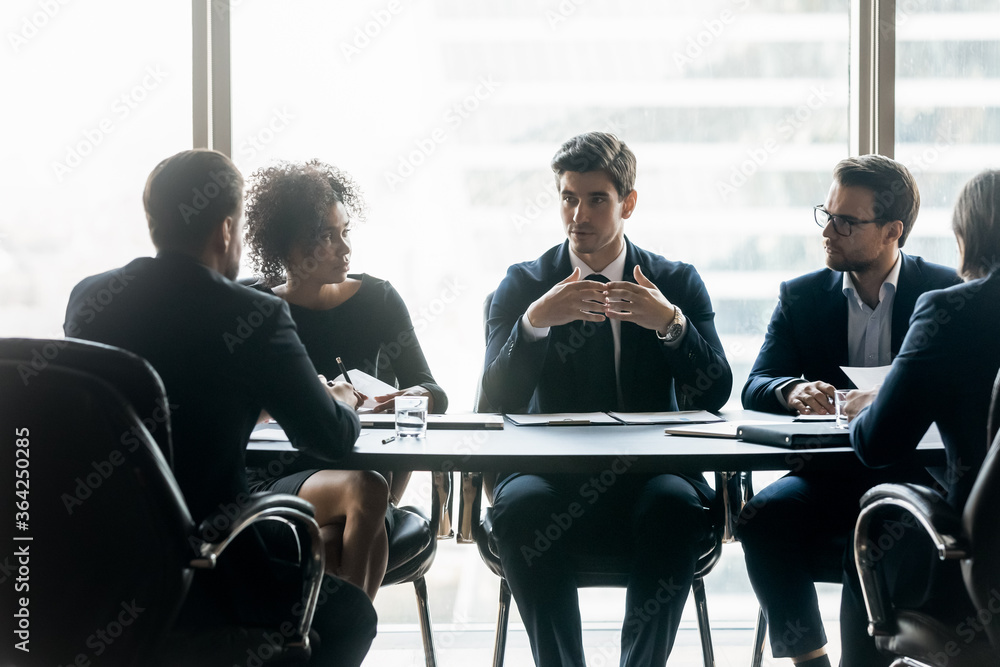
796	436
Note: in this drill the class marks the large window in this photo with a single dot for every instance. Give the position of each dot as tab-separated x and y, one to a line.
94	96
448	113
947	107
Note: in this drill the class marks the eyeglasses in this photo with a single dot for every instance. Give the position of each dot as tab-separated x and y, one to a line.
841	225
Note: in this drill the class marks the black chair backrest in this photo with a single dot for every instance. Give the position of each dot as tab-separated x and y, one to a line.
108	554
982	571
482	405
993	422
129	373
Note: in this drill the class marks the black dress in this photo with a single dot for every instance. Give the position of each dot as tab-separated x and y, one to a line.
370	331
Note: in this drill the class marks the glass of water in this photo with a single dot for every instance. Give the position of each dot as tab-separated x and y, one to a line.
840	400
411	416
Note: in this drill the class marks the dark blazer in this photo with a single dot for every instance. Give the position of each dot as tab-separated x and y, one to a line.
372	332
944	374
807	335
224	352
543	376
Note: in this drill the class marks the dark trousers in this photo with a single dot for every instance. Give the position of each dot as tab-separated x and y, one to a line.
253	588
794	533
658	521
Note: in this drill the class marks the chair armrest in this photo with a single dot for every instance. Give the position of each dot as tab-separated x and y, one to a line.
218	531
941	522
924	507
470	507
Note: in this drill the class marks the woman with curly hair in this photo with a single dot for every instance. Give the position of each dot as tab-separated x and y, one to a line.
298	223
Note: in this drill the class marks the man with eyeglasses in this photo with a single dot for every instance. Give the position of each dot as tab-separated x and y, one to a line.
855	312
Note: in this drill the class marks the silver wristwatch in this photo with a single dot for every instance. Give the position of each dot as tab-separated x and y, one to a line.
674	329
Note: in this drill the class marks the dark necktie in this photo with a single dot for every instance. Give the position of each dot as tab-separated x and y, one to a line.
595	363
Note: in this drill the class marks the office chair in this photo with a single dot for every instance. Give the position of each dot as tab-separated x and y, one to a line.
413	538
412	546
596	569
964	631
112	547
413	535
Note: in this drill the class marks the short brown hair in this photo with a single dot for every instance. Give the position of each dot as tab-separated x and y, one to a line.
598	151
976	223
189	193
896	194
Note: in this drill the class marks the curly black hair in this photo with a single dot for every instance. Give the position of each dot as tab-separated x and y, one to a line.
287	204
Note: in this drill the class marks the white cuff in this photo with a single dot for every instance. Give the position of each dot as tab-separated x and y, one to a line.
530	332
779	392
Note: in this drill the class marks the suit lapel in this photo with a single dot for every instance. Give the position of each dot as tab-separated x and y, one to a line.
834	311
908	289
560	267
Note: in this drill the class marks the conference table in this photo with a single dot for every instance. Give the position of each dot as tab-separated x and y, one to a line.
582	449
603	451
592	449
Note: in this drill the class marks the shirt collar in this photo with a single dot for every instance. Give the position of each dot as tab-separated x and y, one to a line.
890	280
614	271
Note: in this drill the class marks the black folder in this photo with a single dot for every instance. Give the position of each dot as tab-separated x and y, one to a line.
796	436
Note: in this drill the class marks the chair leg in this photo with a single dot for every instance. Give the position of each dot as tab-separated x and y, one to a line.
757	657
420	587
503	614
704	626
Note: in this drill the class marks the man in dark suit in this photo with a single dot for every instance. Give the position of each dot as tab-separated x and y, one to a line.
225	352
599	324
853	313
951	346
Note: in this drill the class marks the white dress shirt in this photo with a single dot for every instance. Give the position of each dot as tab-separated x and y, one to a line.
869	331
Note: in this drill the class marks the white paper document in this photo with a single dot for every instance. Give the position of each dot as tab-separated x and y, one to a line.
866	378
564	419
680	417
367	385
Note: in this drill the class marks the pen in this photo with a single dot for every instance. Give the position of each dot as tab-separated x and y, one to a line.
386	441
343	370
